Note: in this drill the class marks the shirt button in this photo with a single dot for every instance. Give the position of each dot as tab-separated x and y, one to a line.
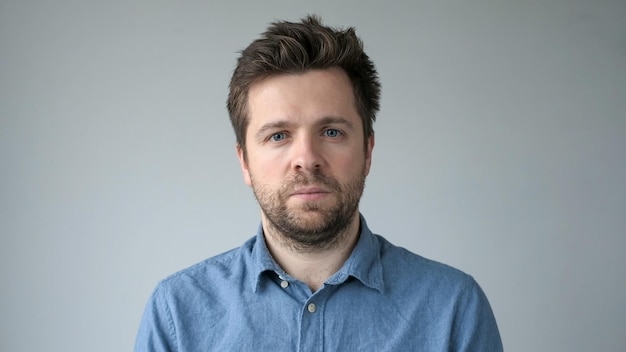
284	284
311	307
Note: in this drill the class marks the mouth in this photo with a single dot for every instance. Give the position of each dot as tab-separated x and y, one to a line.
310	193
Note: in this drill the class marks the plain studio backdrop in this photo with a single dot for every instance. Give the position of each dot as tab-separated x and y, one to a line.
501	150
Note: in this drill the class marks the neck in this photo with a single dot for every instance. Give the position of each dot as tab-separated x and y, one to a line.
312	266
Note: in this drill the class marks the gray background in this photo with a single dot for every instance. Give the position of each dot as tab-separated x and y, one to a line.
500	150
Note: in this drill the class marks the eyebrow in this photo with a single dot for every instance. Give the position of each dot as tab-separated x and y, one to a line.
260	134
334	120
282	124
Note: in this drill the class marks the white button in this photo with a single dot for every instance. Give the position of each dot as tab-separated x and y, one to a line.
284	284
311	307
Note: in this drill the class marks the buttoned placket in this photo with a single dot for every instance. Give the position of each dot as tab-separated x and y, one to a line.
311	317
312	323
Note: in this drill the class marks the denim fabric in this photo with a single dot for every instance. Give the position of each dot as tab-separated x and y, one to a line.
384	298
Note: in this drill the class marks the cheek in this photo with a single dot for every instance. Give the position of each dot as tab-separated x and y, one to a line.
348	165
266	170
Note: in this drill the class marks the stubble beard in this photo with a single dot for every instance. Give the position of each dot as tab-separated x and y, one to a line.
310	226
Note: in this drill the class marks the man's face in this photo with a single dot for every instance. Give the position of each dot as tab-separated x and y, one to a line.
305	157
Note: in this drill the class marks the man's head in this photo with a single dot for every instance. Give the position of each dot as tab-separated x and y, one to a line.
288	47
303	100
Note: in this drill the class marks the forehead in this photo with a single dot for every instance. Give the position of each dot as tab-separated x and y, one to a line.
302	98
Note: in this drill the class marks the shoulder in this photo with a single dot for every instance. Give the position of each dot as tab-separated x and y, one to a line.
210	273
201	292
445	291
406	268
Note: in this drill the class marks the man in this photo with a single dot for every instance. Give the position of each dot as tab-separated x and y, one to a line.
302	102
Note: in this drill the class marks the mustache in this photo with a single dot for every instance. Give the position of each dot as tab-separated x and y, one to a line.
316	178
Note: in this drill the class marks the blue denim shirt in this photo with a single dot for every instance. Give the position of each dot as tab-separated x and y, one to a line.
384	298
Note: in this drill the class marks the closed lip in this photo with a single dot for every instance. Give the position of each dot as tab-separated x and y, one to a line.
309	190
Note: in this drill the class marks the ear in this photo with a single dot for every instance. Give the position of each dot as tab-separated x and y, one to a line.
368	153
244	165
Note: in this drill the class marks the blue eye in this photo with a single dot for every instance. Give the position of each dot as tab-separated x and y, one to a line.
277	137
331	132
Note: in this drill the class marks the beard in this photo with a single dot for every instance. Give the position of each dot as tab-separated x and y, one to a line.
311	225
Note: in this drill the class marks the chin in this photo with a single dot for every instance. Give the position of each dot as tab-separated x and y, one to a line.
310	217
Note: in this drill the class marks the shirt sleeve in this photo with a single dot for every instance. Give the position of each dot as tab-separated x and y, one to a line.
156	331
475	327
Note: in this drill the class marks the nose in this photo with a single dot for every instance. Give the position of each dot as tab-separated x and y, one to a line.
306	154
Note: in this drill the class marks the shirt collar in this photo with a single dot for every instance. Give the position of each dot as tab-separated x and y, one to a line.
363	264
261	259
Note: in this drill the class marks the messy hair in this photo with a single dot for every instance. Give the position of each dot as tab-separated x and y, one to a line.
297	47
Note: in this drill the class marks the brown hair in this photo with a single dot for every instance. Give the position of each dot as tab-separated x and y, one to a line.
288	47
